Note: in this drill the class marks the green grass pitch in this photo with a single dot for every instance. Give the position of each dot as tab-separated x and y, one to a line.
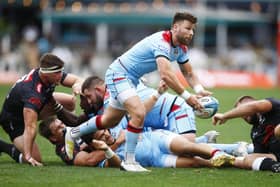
56	173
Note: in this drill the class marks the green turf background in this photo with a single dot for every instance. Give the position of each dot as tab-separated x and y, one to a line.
55	173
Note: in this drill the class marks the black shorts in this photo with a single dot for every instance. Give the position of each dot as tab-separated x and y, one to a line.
13	127
272	147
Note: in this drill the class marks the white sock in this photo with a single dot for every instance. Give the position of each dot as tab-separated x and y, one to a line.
257	163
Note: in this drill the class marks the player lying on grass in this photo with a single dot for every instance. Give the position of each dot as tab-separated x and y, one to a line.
264	116
158	148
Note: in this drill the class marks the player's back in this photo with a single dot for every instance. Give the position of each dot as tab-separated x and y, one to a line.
262	132
28	91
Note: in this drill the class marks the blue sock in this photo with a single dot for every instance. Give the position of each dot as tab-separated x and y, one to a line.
228	148
130	145
250	148
201	139
85	128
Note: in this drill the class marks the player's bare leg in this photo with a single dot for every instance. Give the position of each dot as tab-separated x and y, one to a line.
136	110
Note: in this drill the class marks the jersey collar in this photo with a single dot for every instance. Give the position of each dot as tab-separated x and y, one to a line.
167	36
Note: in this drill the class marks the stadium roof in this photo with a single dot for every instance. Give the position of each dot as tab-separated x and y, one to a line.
149	11
153	16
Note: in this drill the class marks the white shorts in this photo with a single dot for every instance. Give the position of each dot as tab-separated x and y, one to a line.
120	87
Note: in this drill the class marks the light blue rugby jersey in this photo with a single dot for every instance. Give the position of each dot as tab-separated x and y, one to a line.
141	58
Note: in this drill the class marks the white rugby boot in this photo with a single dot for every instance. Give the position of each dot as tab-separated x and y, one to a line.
69	143
211	136
132	166
241	149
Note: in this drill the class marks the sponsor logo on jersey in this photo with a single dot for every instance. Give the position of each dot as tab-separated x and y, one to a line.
39	88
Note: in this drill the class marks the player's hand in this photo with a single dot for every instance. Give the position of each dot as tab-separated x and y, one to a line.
33	162
76	88
99	145
204	93
218	119
193	102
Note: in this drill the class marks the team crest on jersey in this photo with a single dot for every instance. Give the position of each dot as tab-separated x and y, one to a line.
39	88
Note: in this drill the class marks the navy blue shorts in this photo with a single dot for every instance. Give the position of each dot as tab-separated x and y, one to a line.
12	126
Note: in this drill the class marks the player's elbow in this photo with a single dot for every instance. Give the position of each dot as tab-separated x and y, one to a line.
71	105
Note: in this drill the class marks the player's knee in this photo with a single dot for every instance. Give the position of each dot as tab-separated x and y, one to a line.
138	117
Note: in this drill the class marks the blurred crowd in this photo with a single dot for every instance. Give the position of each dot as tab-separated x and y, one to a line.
250	46
244	56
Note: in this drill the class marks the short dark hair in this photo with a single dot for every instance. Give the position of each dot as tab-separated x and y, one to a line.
181	16
91	81
49	60
44	127
240	99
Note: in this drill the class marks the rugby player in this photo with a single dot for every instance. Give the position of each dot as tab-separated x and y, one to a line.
264	116
155	52
30	99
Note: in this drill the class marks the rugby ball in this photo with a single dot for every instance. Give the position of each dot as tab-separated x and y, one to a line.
211	106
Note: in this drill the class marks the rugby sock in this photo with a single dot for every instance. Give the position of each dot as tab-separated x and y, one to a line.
257	163
132	135
250	148
201	139
228	148
267	164
90	126
214	152
263	163
11	150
